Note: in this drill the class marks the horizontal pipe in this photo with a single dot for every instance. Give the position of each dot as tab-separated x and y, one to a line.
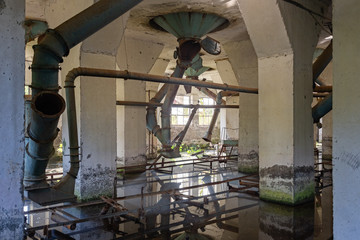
146	104
321	89
94	72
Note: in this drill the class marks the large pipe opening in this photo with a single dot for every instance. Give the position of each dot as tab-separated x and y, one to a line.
48	104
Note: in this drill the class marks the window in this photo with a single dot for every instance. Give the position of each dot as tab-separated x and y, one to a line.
180	116
205	114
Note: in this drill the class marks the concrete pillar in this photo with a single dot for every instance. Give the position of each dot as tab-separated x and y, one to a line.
96	112
138	56
12	38
229	118
346	118
284	41
244	62
97	129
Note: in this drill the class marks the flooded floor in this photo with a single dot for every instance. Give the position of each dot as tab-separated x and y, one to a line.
192	202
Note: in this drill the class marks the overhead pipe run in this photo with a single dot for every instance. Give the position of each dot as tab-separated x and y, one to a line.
55	44
220	95
146	104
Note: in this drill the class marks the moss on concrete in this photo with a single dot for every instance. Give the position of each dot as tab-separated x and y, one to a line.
303	196
248	169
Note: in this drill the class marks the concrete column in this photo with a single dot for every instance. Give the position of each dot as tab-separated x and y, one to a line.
284	41
346	118
12	38
244	62
138	56
97	130
229	118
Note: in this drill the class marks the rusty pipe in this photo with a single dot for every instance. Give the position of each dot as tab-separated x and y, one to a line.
220	95
210	94
146	104
321	62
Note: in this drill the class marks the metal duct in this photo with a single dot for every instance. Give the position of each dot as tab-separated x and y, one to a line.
55	44
208	135
322	108
321	62
180	137
46	108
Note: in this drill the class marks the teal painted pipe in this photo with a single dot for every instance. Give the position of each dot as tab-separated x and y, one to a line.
40	143
47	56
322	108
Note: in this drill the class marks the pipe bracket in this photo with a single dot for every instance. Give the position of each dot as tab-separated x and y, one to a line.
38	158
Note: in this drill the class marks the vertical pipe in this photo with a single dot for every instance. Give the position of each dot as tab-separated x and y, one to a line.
166	108
47	55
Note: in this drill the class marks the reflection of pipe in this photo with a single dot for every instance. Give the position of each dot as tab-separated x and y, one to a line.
180	137
40	143
47	55
322	108
219	97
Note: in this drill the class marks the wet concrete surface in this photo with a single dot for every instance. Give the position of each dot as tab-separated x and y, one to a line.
200	211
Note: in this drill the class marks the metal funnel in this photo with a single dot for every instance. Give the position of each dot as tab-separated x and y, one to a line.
189	24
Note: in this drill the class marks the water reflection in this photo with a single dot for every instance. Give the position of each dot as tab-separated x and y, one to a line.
187	205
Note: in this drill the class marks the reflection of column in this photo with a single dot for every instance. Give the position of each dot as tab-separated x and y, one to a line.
286	222
248	222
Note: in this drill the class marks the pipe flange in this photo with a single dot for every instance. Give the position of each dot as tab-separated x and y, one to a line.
38	158
60	38
41	141
45	89
44	67
49	51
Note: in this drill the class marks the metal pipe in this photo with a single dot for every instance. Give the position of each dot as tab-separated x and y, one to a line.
151	121
146	104
219	97
46	109
166	113
321	62
95	72
322	108
322	89
182	134
47	55
210	94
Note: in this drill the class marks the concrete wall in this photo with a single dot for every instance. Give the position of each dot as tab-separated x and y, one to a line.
12	38
346	118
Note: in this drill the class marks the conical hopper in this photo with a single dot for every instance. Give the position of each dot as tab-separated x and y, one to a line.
189	24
